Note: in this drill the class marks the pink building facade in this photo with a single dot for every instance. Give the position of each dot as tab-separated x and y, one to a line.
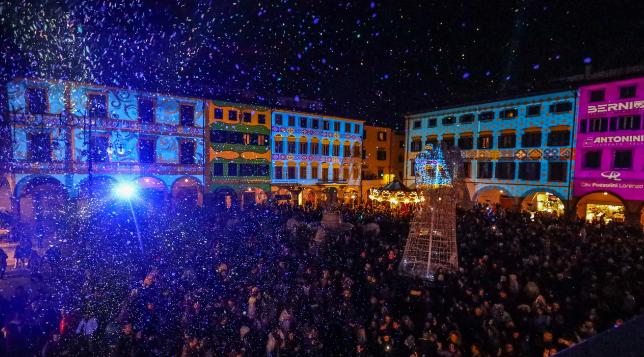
609	166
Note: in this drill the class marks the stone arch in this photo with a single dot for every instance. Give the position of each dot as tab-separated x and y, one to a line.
187	191
101	186
542	200
252	196
152	189
225	197
493	194
601	205
40	197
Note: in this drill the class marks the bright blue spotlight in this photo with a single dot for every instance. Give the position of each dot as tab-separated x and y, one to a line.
125	190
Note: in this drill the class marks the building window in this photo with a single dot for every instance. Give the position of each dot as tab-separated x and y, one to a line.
382	136
325	174
187	154
486	116
432	140
448	141
531	139
336	174
147	153
248	170
278	172
417	124
598	125
485	142
507	141
592	159
291	120
187	115
561	107
290	147
431	123
412	167
232	115
146	110
290	173
232	169
505	170
597	95
40	147
356	150
279	146
261	118
336	126
466	143
356	128
381	154
533	110
451	120
315	123
218	169
219	113
37	100
315	148
623	159
314	172
381	172
303	122
467	118
485	169
629	122
509	113
326	125
336	149
530	171
325	149
557	171
302	172
627	92
304	147
97	105
278	119
416	146
467	169
346	151
347	127
559	138
99	149
247	117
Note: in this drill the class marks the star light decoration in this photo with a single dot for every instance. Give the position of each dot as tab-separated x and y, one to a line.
431	169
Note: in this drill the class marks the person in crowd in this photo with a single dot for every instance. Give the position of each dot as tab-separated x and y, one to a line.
230	282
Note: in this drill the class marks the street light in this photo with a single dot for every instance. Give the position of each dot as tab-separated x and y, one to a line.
127	191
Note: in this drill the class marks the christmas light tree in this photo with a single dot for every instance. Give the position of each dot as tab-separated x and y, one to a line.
431	244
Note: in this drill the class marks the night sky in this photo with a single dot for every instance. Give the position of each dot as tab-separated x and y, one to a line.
373	60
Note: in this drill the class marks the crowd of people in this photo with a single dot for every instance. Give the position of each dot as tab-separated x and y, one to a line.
221	282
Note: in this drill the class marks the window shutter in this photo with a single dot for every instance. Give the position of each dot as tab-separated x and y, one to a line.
582	126
604	124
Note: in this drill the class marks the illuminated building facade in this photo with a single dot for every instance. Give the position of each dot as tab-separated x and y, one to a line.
239	155
609	170
76	140
315	158
383	157
516	152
